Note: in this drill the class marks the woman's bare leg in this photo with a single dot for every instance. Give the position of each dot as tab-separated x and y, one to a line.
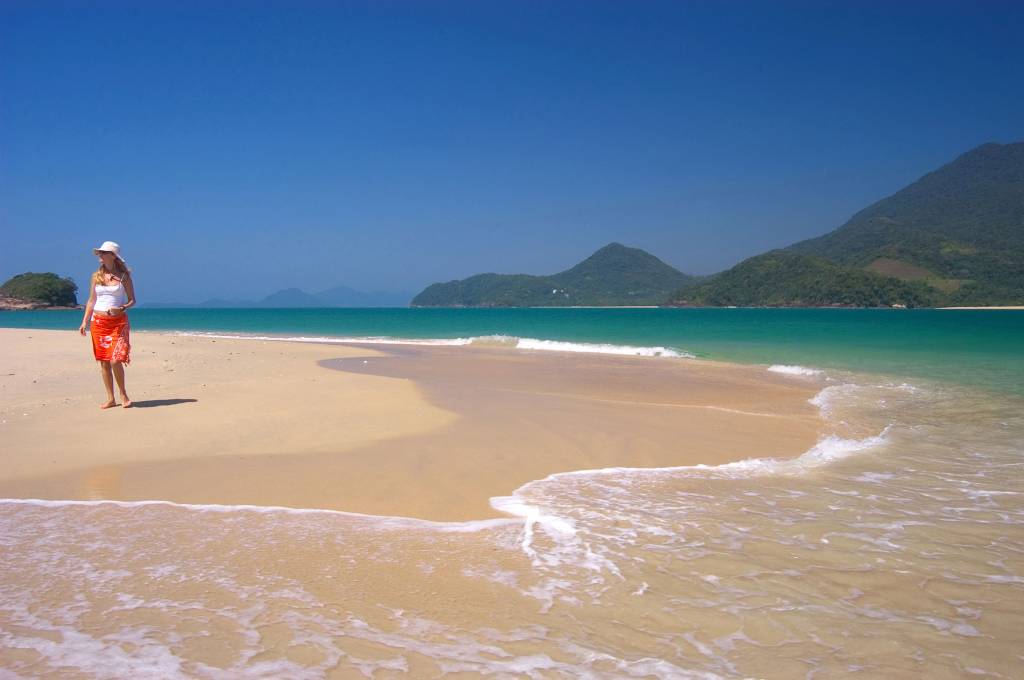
108	384
119	377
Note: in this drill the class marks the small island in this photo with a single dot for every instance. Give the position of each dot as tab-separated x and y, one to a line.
38	291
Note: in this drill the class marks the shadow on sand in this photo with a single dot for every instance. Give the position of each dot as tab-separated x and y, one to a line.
161	402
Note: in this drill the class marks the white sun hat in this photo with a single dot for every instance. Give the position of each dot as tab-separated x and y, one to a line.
109	247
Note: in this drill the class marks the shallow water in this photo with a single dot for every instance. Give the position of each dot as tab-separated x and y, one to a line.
894	548
983	348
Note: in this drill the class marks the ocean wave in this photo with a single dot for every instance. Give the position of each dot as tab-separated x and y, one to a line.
564	546
509	341
596	348
827	399
794	370
62	640
538	523
827	450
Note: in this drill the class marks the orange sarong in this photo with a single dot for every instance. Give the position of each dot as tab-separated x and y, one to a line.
110	338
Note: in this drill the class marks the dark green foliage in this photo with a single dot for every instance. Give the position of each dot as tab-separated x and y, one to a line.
47	288
964	222
782	279
489	290
614	275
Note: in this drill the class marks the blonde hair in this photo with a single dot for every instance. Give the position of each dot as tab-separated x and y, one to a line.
121	271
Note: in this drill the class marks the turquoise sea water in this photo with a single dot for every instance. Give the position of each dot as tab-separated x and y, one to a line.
983	348
891	548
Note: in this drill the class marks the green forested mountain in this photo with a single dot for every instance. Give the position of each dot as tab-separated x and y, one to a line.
614	275
954	237
784	279
960	229
46	289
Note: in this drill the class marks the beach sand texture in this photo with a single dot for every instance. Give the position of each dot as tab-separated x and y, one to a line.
431	433
889	547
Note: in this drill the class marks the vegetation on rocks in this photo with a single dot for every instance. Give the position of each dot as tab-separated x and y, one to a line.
781	279
960	229
614	275
954	237
46	289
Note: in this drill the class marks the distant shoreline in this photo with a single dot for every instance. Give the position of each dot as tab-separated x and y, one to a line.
34	307
1010	307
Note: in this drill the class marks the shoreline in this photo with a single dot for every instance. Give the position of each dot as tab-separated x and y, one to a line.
411	577
40	307
426	432
1002	307
37	307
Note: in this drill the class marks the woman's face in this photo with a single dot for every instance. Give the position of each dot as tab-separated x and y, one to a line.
106	259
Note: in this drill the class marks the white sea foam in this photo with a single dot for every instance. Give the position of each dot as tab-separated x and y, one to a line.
552	540
594	348
828	449
794	370
144	653
826	399
379	521
494	341
874	477
556	545
834	448
479	340
558	529
637	520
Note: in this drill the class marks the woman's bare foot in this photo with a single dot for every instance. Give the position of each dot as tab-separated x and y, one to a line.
125	401
109	404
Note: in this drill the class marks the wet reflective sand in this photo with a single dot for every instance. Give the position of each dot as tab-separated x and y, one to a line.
894	547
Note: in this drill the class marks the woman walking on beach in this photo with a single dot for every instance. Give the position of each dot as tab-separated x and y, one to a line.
111	295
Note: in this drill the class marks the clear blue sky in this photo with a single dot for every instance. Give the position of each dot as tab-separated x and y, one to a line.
236	148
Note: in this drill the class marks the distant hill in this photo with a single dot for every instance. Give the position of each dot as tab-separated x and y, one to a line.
614	275
784	279
954	237
289	297
959	229
341	296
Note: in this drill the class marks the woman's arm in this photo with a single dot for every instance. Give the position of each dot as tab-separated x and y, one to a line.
129	289
88	308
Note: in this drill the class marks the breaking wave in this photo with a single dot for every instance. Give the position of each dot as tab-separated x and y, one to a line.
508	341
794	370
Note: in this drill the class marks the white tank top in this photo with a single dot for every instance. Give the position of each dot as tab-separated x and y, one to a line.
110	296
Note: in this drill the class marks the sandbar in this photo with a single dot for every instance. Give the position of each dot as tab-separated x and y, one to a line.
426	432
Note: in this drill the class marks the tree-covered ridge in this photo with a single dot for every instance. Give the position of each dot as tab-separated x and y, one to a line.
614	275
954	237
784	279
963	223
47	289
